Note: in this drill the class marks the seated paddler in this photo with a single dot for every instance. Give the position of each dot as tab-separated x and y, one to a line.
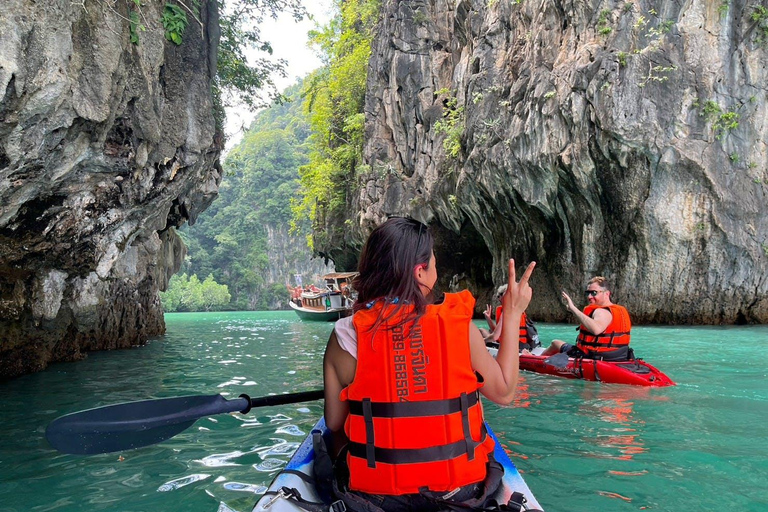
403	379
604	330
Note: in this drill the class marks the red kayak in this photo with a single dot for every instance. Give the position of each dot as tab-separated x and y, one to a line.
636	372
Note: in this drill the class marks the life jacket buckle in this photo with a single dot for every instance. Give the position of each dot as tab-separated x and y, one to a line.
338	506
516	502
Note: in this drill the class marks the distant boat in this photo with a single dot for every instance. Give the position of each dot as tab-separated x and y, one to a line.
326	305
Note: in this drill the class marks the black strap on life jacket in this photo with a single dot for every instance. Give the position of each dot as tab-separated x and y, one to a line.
599	339
418	455
411	409
372	454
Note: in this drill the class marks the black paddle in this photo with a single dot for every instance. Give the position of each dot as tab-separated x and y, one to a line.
559	360
120	427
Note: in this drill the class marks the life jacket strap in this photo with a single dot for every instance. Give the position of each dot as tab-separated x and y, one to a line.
419	455
600	339
370	453
412	409
468	443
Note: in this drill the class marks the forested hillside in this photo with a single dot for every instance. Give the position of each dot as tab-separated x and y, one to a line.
243	239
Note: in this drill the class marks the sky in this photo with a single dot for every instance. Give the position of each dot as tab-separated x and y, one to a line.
289	42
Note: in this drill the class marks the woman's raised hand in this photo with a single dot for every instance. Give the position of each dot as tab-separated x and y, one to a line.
518	294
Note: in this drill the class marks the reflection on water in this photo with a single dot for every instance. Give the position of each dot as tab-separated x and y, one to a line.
613	405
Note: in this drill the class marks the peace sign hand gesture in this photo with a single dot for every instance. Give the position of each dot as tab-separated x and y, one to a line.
518	294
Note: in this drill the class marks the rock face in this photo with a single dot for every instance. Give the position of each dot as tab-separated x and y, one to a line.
105	147
627	140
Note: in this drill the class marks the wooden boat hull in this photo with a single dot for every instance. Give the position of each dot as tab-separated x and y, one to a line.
298	474
330	315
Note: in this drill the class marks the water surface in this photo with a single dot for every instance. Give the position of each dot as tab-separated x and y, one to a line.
702	445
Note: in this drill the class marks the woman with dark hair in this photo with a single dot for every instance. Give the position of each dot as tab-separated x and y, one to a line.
403	376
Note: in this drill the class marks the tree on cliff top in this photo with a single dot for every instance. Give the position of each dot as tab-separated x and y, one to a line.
335	100
240	21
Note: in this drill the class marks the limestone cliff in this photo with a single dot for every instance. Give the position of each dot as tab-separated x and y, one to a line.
105	147
627	139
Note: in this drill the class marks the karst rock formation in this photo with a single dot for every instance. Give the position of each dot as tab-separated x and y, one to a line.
106	145
626	139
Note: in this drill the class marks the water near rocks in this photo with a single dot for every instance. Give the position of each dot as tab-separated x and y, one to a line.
581	446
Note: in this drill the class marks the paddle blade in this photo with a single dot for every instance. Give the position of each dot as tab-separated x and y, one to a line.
135	424
558	360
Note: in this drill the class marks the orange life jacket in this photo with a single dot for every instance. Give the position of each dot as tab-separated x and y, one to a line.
522	333
415	418
615	336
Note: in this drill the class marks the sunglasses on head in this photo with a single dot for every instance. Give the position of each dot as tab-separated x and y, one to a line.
592	293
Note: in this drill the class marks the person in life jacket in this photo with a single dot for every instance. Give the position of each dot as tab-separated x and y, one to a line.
403	376
605	327
528	335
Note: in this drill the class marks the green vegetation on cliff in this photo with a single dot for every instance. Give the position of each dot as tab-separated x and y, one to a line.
335	98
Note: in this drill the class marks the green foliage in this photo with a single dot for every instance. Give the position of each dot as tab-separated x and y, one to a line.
602	22
711	109
723	8
241	78
622	59
451	125
420	17
175	22
663	28
657	74
335	98
765	249
760	17
550	94
189	294
722	122
230	239
135	26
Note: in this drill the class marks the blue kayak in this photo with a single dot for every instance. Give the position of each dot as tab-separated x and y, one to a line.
298	476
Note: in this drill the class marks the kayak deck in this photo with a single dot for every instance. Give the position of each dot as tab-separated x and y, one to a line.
298	474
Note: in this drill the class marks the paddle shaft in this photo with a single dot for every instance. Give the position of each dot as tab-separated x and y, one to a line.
292	398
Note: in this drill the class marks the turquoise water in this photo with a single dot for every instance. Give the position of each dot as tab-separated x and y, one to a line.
702	445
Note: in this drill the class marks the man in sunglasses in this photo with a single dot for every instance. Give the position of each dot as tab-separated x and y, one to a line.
605	326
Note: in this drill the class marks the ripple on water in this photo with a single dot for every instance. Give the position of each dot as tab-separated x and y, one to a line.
218	460
182	482
269	465
292	430
278	418
281	447
237	486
